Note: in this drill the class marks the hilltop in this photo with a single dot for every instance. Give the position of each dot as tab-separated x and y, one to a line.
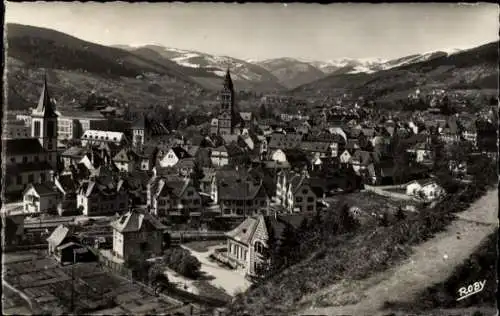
77	68
474	69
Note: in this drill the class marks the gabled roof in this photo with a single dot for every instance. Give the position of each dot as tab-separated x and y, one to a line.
42	189
180	152
239	189
59	235
67	183
297	181
186	163
133	221
25	146
246	116
75	151
245	231
285	141
125	155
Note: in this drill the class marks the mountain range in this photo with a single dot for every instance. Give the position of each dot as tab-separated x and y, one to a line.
153	74
277	73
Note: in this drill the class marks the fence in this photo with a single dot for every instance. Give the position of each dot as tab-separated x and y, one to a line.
114	266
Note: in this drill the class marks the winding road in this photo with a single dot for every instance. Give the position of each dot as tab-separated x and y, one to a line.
431	262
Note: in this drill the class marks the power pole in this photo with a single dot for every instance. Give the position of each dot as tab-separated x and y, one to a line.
73	283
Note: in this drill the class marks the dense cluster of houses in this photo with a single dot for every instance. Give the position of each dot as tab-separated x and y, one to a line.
253	171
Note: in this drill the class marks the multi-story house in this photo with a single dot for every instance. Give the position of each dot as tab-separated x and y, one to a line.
173	198
126	160
172	156
96	137
73	156
364	161
101	197
219	156
41	197
72	125
16	130
249	244
421	152
427	190
294	193
238	193
136	235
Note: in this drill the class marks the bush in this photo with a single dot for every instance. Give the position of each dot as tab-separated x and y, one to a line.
182	262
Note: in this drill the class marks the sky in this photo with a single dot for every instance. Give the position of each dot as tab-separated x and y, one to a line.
261	31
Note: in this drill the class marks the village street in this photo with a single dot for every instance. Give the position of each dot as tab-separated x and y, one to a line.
432	262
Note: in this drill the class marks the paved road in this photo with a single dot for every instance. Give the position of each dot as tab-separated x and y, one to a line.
432	262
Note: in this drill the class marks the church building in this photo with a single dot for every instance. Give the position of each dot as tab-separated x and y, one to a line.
34	159
229	121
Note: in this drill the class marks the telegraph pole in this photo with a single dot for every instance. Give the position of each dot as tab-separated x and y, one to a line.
73	282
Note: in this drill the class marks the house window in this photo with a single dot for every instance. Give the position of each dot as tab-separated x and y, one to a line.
298	199
259	247
13	160
196	202
42	177
305	191
310	199
239	211
31	178
25	159
262	203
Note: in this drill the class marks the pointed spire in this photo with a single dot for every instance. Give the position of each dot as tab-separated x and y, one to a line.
45	107
228	83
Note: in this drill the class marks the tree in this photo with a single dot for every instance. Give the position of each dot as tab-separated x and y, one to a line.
400	215
347	222
402	161
288	245
384	220
189	267
156	275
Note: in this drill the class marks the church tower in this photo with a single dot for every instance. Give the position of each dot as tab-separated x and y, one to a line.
44	124
227	117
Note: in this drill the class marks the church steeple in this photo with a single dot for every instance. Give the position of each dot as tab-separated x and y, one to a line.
228	83
45	107
44	124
